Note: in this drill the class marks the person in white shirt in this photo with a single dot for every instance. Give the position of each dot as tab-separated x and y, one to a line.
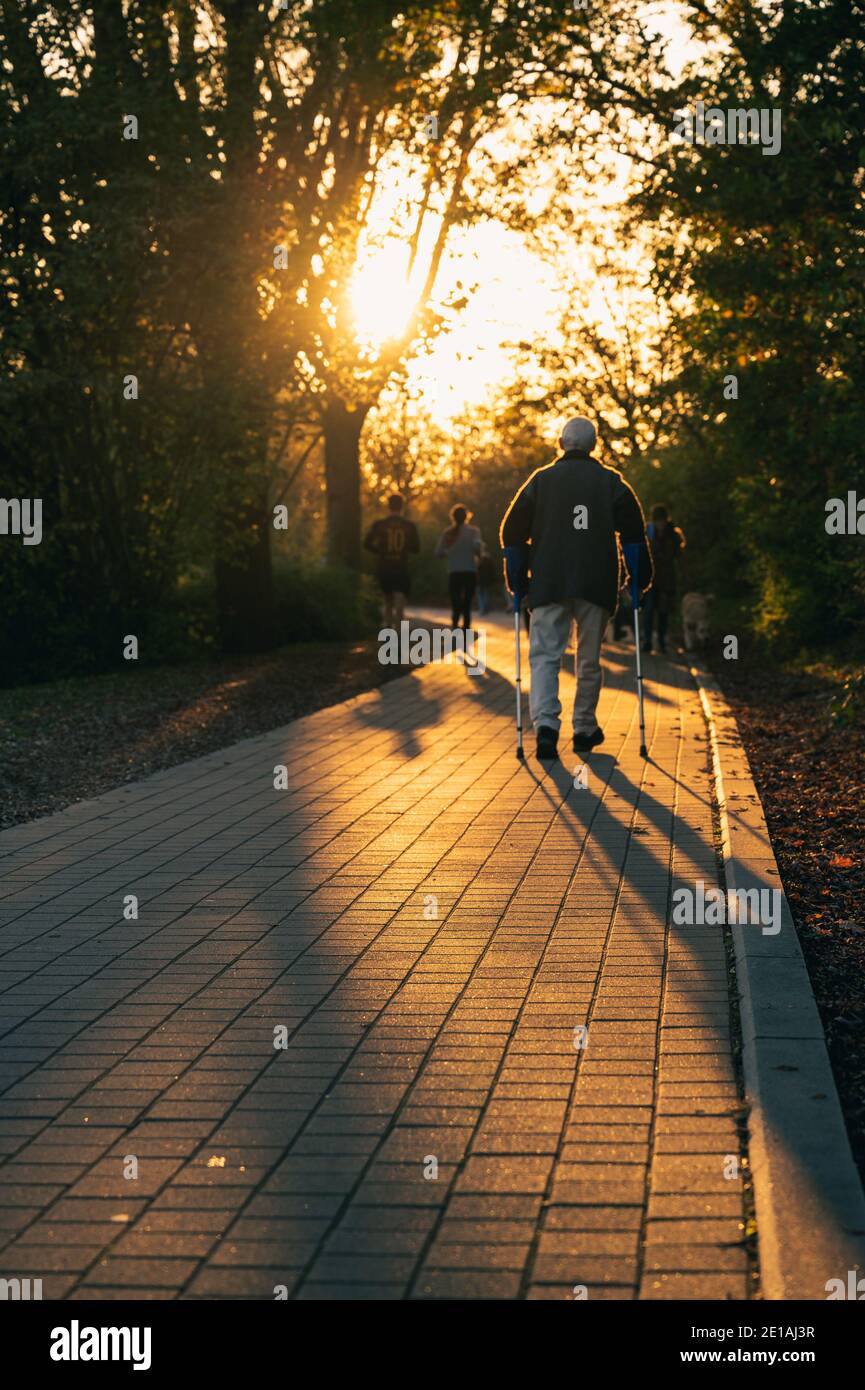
460	545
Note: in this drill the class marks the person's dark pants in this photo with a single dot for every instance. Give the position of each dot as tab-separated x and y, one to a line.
656	609
395	586
462	586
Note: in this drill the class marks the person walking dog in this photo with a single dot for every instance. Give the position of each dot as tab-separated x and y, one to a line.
571	515
460	545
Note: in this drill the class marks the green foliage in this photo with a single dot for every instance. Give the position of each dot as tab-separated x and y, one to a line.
154	258
42	636
315	601
257	129
847	708
769	252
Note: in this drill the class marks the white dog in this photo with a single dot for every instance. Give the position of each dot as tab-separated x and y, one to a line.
695	619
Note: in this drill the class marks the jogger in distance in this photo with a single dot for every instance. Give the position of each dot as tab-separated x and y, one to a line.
392	539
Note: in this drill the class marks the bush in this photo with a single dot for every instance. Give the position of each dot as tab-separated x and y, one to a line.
320	602
847	706
45	638
313	601
186	627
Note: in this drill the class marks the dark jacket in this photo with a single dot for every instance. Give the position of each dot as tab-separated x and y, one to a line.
567	562
488	571
667	545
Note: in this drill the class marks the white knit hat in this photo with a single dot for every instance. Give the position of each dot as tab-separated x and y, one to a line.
579	434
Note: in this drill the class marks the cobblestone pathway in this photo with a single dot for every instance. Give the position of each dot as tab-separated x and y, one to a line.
338	1050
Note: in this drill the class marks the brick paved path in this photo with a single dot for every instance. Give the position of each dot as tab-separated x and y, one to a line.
430	922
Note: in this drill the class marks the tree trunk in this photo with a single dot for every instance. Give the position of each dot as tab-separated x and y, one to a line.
244	580
342	431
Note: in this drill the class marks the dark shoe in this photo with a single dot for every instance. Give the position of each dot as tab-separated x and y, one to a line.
547	744
584	743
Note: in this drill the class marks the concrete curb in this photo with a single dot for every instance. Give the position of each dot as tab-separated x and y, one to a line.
810	1205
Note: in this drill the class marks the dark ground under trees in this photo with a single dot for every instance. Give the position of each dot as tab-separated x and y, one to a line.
809	769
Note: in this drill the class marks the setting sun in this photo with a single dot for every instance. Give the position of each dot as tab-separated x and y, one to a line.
380	293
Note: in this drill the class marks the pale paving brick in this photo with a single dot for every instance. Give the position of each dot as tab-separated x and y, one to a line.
719	1285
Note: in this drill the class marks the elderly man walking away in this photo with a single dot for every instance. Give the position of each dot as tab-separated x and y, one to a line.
570	514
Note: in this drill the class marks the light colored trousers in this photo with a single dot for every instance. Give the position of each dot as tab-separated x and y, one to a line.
550	630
